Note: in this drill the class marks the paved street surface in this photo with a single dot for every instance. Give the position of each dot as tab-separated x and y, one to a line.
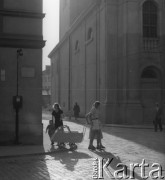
124	145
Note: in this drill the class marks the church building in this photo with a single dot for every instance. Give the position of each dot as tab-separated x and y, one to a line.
112	51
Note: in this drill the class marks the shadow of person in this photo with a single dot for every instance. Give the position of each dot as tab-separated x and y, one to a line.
69	164
70	158
115	164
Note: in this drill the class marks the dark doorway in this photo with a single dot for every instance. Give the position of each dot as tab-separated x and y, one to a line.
150	92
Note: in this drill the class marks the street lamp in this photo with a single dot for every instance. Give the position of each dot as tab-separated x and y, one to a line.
17	100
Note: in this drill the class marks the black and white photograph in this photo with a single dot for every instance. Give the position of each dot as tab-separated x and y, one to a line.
82	89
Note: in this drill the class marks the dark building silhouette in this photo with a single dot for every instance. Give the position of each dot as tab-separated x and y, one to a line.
21	44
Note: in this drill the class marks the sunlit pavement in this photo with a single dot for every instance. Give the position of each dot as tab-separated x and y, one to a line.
124	145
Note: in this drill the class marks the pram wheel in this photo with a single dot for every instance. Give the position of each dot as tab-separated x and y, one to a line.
61	145
73	146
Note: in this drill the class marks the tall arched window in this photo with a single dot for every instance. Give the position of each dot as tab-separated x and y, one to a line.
76	47
150	19
89	34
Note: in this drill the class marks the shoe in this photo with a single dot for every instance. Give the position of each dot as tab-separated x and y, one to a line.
91	147
102	147
98	147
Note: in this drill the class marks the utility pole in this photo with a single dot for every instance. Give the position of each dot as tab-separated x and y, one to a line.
17	100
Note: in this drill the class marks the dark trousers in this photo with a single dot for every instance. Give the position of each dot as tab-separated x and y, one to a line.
157	124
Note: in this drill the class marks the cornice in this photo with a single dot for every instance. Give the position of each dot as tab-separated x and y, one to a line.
26	14
76	23
24	41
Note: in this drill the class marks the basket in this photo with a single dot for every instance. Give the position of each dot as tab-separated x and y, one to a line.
67	136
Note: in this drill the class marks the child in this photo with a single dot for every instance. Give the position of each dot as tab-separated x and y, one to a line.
50	129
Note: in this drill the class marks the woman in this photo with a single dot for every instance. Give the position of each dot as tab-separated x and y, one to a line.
57	116
95	130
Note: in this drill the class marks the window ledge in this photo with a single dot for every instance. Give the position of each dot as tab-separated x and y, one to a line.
89	41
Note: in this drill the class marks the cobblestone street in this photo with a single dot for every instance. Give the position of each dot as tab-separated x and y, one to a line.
124	145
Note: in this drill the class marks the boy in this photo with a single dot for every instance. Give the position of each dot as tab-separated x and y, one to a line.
50	129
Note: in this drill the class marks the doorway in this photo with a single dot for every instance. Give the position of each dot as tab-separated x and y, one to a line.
150	92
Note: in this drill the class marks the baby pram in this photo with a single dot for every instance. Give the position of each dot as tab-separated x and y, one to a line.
65	135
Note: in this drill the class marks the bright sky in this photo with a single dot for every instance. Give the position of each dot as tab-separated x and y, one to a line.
50	28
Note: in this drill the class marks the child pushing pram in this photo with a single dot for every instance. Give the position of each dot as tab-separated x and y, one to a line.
50	129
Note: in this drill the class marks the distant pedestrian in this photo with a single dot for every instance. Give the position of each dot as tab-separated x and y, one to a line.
76	110
95	130
50	129
158	118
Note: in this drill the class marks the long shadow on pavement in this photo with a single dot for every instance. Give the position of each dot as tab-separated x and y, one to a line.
70	158
27	168
114	162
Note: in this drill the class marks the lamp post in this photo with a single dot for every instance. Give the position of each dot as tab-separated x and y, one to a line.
17	101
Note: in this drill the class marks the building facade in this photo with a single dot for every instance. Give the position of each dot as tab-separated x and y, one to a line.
21	44
46	87
112	51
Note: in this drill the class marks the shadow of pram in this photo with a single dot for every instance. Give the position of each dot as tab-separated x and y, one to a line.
64	135
70	158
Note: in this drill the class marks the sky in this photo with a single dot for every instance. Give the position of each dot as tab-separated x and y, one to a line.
50	28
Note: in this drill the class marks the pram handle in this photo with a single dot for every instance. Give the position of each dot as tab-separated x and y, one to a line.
67	127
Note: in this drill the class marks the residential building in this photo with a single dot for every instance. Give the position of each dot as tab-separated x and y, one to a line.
21	44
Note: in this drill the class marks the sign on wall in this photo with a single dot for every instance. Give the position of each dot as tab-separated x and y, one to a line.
3	75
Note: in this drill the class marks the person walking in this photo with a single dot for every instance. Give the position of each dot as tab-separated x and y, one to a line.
50	129
158	118
95	130
76	110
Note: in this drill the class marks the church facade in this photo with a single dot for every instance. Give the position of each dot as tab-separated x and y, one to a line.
21	44
112	51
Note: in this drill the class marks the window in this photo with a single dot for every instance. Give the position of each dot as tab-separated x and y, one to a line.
89	34
149	73
150	19
76	48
